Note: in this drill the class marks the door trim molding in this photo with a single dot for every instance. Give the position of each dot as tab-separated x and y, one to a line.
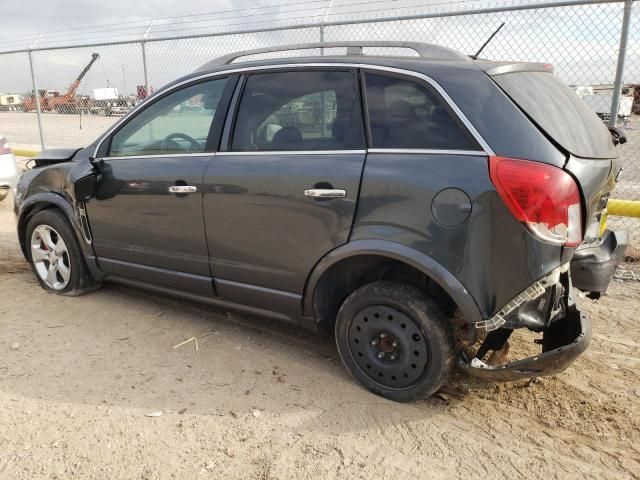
292	152
271	299
159	276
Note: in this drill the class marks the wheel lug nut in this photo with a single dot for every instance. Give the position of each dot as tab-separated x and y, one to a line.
374	342
381	355
395	344
383	335
392	357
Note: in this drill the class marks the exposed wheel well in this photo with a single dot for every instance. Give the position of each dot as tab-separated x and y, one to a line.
337	283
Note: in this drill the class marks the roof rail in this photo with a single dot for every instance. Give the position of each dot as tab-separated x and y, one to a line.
424	50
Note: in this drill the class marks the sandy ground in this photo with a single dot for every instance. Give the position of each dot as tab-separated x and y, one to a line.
267	401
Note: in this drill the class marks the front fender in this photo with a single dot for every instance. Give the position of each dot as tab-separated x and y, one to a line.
402	253
39	201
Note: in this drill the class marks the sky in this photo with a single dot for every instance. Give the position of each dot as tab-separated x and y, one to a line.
35	16
581	41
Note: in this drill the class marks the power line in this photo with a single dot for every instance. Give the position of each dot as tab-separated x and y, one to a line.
110	35
146	21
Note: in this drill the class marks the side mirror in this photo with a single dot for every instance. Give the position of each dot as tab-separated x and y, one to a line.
618	136
85	188
84	178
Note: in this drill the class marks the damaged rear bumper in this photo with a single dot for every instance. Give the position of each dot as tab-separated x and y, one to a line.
563	341
593	265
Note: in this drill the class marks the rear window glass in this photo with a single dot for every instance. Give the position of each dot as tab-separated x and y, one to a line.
301	110
559	112
404	114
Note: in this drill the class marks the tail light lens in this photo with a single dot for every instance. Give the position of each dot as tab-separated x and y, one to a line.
544	197
4	146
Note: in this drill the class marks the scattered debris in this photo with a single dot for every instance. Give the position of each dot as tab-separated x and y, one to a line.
192	339
154	414
442	396
532	381
15	345
182	411
256	413
625	275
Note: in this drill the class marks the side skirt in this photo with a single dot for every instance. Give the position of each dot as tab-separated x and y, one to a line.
217	302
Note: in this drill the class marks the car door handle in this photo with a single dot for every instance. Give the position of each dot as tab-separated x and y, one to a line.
182	189
325	193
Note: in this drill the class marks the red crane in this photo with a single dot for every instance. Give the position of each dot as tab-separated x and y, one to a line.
52	100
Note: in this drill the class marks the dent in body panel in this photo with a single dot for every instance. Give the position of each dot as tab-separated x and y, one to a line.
49	185
595	178
491	253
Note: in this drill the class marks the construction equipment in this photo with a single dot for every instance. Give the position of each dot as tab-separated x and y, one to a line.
51	100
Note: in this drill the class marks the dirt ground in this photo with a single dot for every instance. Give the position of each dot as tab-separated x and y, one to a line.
78	377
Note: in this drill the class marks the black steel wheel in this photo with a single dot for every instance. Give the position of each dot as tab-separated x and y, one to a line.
395	340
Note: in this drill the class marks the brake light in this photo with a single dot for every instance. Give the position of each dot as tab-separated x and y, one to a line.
4	147
544	197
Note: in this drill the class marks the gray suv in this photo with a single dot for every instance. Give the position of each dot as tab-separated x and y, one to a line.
422	208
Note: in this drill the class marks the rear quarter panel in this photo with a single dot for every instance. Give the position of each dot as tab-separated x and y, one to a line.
491	253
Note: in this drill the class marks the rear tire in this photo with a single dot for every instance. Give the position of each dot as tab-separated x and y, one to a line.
55	255
395	340
4	193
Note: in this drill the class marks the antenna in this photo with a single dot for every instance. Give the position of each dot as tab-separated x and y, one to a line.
475	57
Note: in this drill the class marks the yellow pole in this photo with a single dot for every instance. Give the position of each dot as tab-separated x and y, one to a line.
624	208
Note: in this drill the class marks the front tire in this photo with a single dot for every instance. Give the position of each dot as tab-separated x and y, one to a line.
55	256
395	340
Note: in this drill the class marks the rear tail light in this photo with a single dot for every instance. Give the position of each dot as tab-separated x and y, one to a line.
4	147
544	197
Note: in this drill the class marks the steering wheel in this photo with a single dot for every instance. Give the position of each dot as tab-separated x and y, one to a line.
171	139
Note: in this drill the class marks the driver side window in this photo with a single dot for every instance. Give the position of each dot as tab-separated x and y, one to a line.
177	123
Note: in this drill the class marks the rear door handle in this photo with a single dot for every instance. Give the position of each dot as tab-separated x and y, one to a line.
325	193
183	189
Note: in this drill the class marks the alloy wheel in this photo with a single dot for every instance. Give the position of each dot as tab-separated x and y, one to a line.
50	257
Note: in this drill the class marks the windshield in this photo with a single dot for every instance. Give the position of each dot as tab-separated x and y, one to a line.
559	112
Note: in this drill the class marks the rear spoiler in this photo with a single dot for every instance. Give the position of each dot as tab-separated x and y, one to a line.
500	68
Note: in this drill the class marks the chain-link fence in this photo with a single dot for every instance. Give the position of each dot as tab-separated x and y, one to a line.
81	93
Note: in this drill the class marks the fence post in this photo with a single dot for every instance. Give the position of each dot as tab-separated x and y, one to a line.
37	96
325	15
622	53
144	59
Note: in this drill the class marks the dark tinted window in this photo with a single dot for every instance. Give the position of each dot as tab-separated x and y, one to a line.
313	110
404	114
177	123
559	112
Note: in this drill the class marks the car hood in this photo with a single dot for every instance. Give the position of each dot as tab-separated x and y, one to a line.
55	155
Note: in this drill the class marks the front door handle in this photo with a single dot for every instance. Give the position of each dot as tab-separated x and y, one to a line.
182	189
325	193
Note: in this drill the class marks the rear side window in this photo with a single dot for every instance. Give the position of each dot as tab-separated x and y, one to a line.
559	112
301	110
404	114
